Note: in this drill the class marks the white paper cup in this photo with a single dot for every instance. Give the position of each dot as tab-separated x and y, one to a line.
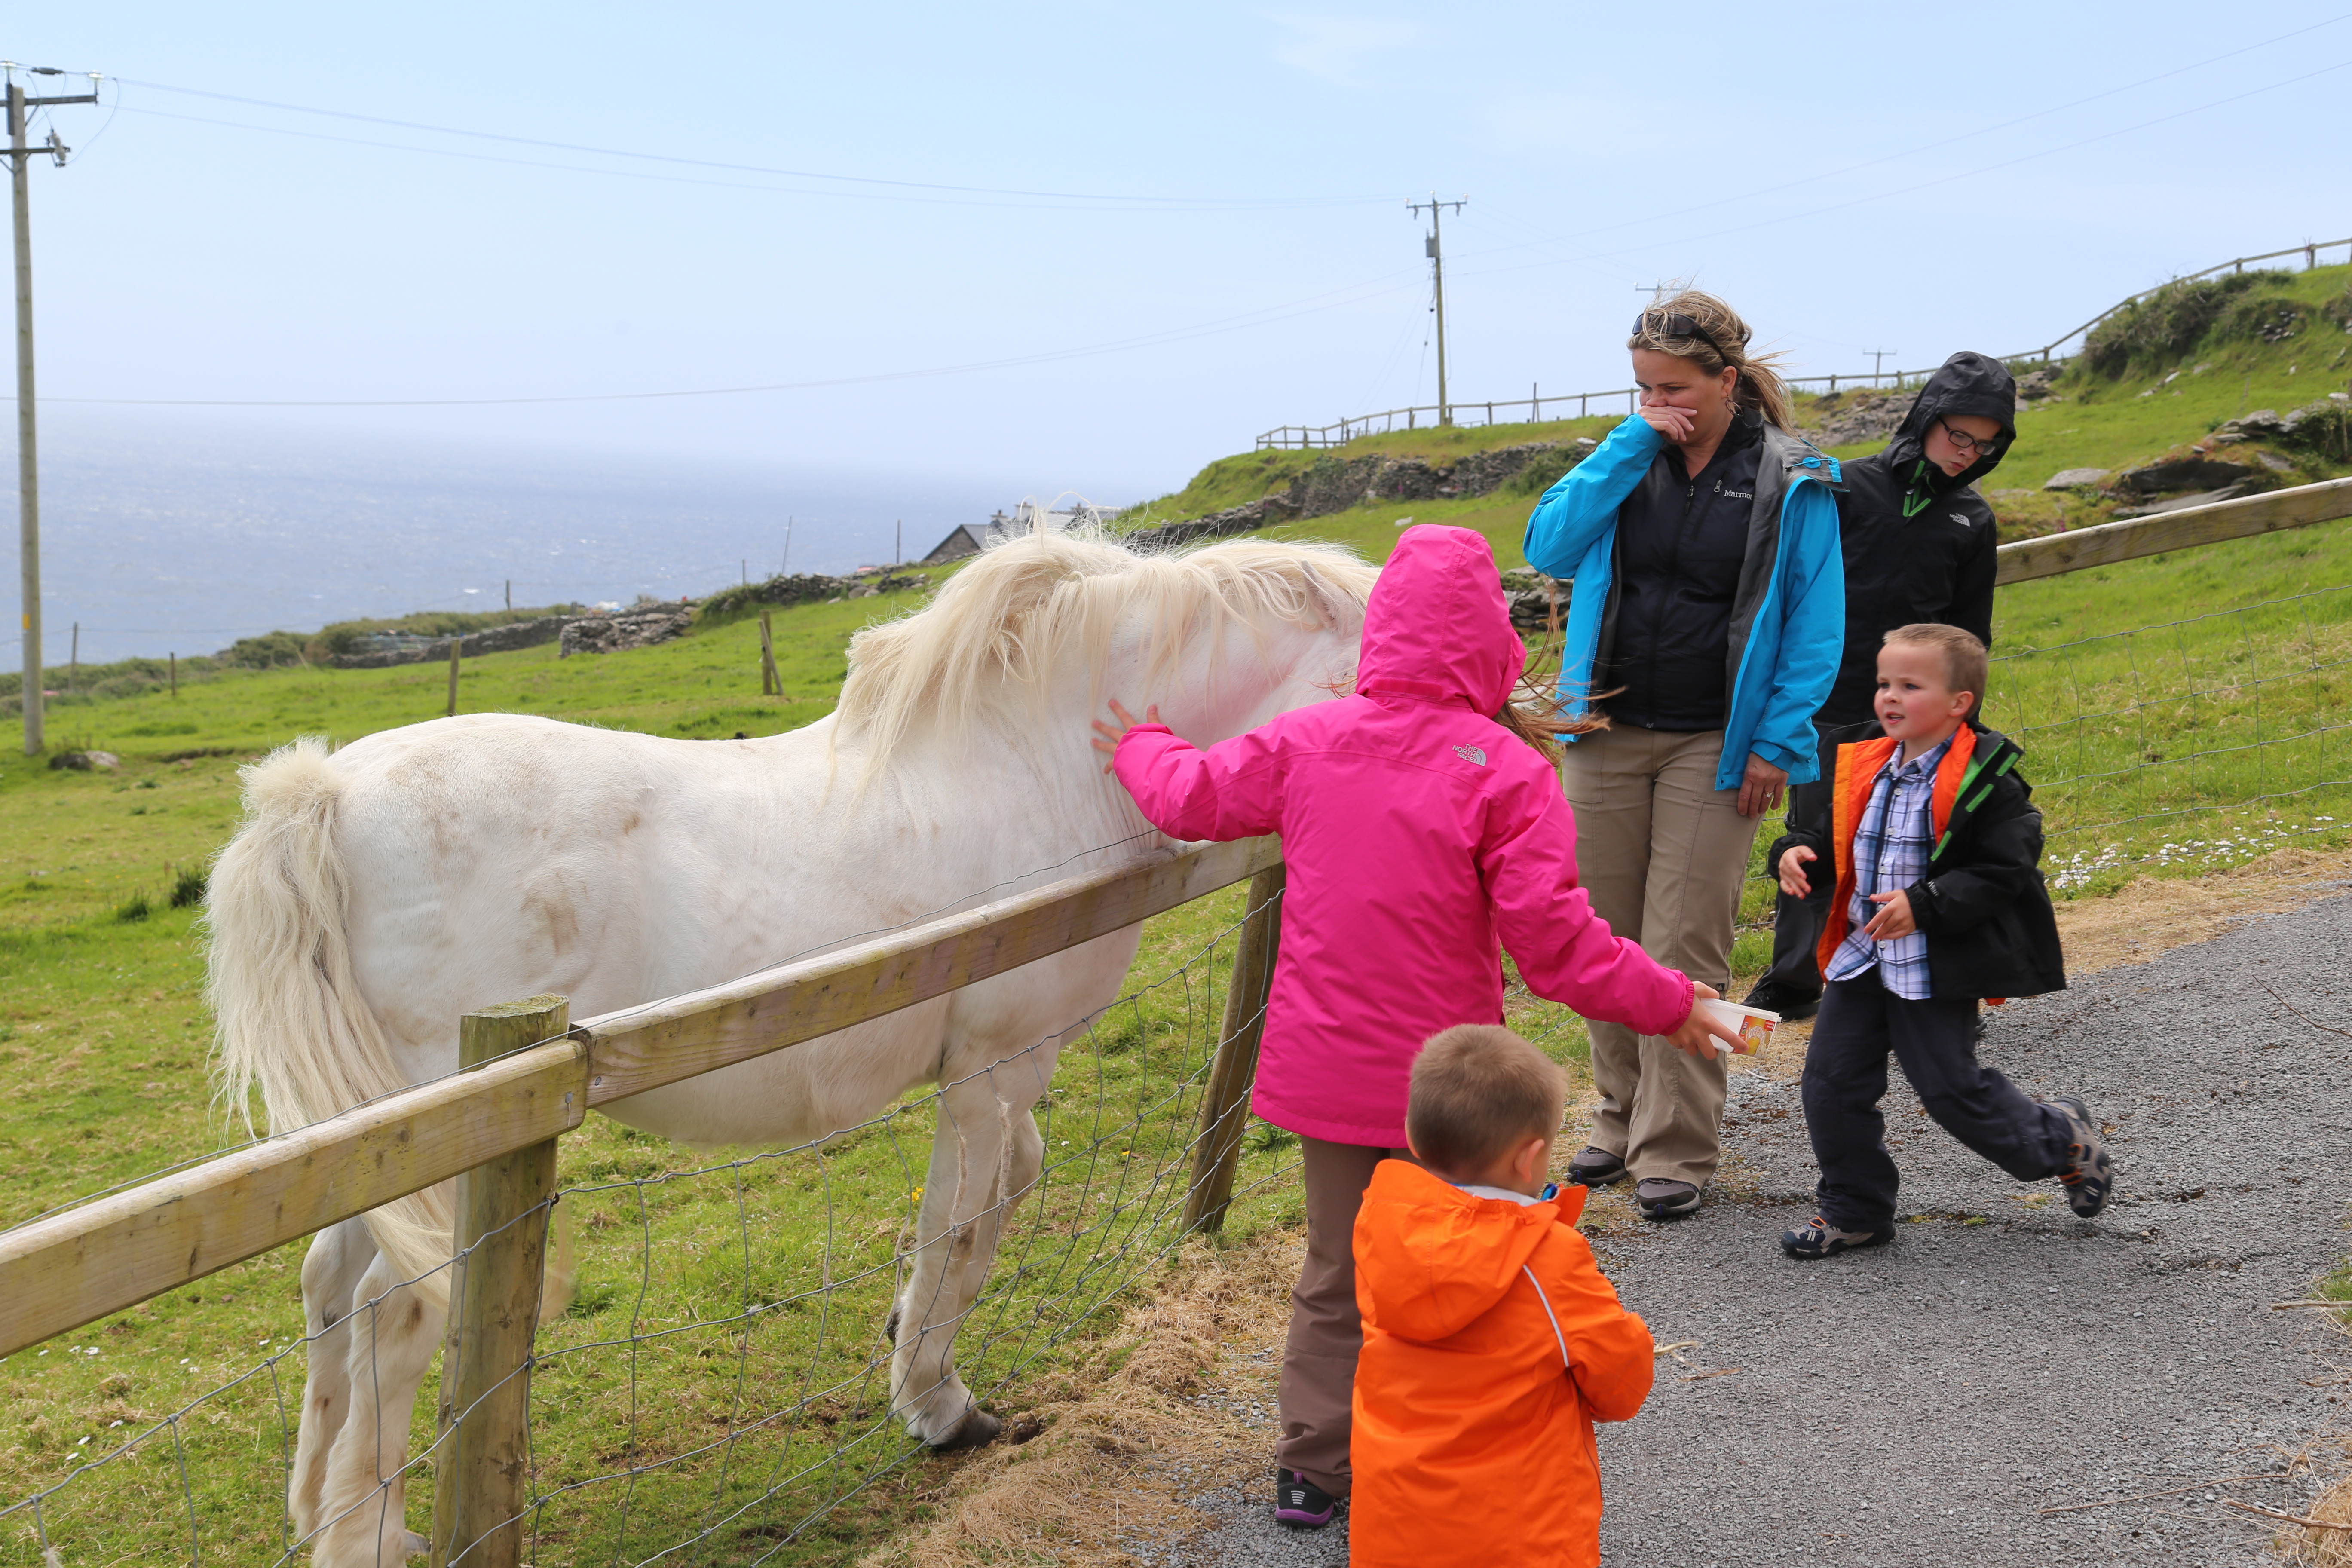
1753	1025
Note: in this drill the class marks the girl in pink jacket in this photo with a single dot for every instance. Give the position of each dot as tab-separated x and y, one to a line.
1420	834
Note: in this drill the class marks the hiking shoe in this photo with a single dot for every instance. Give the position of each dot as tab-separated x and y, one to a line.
1595	1167
2089	1175
1778	999
1665	1200
1822	1239
1300	1503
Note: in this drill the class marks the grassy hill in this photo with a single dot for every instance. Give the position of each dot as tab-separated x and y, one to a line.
2155	378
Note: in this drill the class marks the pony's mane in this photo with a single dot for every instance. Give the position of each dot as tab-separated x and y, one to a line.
1013	612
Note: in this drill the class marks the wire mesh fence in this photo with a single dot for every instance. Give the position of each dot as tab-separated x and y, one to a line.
2199	740
720	1385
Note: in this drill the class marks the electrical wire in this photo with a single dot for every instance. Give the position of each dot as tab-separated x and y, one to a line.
936	189
1941	142
1353	293
1923	185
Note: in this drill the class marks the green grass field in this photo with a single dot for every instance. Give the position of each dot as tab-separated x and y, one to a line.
2155	700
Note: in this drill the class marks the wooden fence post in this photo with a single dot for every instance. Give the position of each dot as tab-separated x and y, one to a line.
771	683
455	643
1224	1112
503	1209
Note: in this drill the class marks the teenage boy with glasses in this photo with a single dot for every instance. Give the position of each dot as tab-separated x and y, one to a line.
1918	544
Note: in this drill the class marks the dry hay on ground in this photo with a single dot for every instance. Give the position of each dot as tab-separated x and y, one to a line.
1116	1432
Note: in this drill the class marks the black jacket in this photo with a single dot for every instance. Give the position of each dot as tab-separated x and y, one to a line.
1918	544
1682	543
1982	905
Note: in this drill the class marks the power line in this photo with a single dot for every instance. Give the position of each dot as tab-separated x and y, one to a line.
936	189
1941	142
1353	293
1927	185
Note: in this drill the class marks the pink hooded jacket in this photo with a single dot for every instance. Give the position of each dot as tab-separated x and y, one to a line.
1419	833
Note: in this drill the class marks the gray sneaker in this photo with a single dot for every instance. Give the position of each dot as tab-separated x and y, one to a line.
1822	1239
1596	1168
2089	1176
1660	1199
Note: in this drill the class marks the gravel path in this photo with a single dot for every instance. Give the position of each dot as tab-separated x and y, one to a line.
1922	1403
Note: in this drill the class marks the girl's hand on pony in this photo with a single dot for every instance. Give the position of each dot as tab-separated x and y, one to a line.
1699	1034
1893	919
1107	736
1794	880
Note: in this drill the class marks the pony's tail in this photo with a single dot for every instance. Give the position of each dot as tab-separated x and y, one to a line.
290	1019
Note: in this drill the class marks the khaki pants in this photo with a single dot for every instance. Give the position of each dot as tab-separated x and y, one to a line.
1661	853
1318	1361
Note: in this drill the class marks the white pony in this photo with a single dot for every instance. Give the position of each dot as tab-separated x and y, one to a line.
375	895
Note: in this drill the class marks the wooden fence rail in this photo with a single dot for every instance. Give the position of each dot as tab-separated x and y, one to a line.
72	1267
2134	537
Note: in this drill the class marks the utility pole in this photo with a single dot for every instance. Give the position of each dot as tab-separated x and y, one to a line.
28	469
1878	360
1657	292
1433	244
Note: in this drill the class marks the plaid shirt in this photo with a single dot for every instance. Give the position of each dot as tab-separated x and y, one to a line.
1891	846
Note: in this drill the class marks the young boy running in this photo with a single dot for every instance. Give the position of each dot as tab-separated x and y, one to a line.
1491	1340
1939	902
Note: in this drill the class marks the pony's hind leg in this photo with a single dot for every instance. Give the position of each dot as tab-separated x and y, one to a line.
394	1329
986	1155
331	1270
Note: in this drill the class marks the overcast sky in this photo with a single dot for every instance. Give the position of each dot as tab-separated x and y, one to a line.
1163	228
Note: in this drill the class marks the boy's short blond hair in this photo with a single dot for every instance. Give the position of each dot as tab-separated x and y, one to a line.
1966	662
1477	1090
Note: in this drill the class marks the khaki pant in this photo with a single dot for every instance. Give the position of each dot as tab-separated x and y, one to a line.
1661	853
1318	1361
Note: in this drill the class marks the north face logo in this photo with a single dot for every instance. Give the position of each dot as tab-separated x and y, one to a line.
1956	517
1472	755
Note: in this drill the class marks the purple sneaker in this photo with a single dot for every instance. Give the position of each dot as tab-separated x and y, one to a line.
1300	1503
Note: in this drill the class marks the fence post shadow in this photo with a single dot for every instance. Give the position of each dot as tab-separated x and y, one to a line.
481	1468
1224	1110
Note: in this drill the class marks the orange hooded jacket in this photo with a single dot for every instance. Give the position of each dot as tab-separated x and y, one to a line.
1491	1344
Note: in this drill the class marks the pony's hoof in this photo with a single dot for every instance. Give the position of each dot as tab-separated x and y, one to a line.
419	1546
976	1430
890	1326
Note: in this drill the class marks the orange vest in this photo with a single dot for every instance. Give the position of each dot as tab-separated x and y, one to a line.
1858	766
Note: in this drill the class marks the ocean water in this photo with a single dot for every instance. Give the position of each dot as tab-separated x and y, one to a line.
161	538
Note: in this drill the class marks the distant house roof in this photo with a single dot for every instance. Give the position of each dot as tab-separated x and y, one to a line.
971	538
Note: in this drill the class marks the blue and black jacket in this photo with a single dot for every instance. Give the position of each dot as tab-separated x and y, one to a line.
1788	617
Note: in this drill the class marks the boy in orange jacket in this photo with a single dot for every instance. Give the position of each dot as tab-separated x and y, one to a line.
1491	1340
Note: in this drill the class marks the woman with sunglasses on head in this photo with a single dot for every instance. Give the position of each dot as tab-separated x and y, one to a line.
1705	622
1917	546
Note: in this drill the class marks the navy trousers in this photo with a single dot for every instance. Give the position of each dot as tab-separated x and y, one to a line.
1846	1078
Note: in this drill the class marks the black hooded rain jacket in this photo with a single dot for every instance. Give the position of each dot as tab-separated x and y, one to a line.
1918	545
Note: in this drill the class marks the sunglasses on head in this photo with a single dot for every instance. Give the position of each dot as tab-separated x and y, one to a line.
1675	324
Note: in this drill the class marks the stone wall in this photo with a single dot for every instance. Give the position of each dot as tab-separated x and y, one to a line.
1337	484
495	640
622	629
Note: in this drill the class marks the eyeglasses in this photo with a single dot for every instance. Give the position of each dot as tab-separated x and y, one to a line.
1963	443
1660	324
